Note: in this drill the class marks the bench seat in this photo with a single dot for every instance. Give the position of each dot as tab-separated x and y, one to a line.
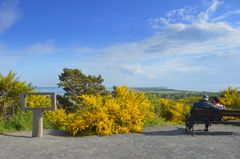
219	122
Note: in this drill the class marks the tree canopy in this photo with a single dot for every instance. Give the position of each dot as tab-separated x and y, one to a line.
75	83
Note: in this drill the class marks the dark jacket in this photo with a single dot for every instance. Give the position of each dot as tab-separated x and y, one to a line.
203	104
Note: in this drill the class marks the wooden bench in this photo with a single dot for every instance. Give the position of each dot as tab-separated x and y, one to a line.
212	115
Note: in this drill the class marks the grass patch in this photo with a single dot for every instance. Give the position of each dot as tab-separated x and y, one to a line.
157	121
22	120
47	124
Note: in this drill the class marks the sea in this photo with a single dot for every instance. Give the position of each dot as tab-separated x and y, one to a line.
58	91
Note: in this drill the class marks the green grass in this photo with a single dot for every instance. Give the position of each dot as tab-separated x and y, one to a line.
22	120
157	121
47	124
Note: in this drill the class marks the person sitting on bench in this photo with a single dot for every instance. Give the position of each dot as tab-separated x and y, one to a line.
217	104
204	104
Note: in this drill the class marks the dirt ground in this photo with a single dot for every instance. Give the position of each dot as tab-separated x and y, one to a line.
222	142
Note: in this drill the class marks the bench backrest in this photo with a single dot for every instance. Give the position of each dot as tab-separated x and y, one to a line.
204	112
212	112
233	113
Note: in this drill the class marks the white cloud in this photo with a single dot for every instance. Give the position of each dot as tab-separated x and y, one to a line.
227	14
176	40
135	69
204	16
179	65
9	14
157	23
10	56
39	49
199	37
188	14
162	69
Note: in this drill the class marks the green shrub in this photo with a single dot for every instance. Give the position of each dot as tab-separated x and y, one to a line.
22	120
154	121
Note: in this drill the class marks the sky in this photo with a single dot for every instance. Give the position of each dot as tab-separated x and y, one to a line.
178	44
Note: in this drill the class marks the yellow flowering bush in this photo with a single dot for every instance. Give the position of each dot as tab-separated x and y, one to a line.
38	101
230	98
105	115
173	111
57	117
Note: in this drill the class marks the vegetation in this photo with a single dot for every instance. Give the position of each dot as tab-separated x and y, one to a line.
230	98
10	90
38	101
173	111
104	115
75	84
88	108
11	116
176	94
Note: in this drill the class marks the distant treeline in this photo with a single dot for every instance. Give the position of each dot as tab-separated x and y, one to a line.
161	92
180	95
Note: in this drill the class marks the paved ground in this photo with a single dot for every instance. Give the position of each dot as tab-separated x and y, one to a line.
163	142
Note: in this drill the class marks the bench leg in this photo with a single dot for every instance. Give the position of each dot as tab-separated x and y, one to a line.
193	130
186	129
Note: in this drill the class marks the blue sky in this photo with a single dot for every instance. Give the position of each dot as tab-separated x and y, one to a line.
191	45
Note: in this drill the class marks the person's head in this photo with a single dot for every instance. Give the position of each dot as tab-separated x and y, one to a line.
205	97
215	100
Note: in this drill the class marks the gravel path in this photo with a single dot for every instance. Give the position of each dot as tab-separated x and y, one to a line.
222	142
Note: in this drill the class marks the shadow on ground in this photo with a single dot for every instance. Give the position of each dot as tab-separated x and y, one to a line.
15	135
182	131
59	133
173	132
49	132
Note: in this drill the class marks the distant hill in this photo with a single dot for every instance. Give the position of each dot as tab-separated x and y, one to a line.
165	90
155	90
